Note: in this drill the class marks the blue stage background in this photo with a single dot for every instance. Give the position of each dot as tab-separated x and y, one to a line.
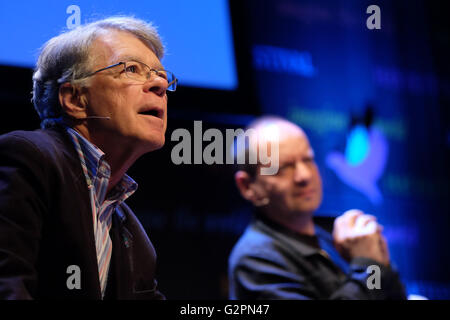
371	103
375	104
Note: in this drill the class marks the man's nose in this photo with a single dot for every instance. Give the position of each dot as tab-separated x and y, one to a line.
157	85
302	172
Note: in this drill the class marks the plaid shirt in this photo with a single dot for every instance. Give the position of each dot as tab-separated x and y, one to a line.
97	173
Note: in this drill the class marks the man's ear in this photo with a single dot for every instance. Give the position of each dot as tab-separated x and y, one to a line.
73	100
242	180
248	189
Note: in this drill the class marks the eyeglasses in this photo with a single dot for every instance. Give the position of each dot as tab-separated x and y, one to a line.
141	72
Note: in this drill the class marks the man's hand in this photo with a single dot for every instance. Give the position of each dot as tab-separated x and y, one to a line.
357	234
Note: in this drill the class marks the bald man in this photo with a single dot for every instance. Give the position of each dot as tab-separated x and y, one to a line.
282	253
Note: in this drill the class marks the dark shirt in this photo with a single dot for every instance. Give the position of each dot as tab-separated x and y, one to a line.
272	262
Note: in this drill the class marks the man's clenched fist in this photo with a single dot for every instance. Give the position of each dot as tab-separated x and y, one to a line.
357	234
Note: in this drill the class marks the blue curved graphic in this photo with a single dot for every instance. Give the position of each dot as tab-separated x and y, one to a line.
363	163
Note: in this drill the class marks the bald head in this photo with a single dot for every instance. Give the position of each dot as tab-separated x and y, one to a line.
271	128
265	135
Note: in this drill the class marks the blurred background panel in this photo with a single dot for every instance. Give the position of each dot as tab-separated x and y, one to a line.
203	56
375	104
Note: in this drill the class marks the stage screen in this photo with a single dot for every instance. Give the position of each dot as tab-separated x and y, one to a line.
197	34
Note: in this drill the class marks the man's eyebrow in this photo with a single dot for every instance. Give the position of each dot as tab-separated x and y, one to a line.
134	58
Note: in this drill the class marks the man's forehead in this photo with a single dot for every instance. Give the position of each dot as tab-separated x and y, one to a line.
294	146
290	139
140	57
114	46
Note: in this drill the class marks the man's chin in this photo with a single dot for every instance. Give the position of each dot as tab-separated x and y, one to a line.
151	143
306	208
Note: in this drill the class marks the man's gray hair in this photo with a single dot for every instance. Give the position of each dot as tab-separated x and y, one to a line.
66	58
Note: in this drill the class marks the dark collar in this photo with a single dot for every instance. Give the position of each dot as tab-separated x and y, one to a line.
312	241
305	244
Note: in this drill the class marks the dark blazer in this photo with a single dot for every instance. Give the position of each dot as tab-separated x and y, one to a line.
271	262
46	226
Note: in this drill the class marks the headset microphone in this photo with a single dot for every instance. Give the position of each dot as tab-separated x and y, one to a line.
94	117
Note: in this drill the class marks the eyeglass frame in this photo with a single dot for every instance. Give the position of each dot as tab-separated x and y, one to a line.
157	71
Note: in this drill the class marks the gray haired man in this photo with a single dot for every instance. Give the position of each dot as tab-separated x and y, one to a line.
65	230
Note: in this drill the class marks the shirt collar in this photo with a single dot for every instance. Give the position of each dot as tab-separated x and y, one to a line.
91	157
285	235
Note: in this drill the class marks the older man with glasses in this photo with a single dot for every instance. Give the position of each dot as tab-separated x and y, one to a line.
65	230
